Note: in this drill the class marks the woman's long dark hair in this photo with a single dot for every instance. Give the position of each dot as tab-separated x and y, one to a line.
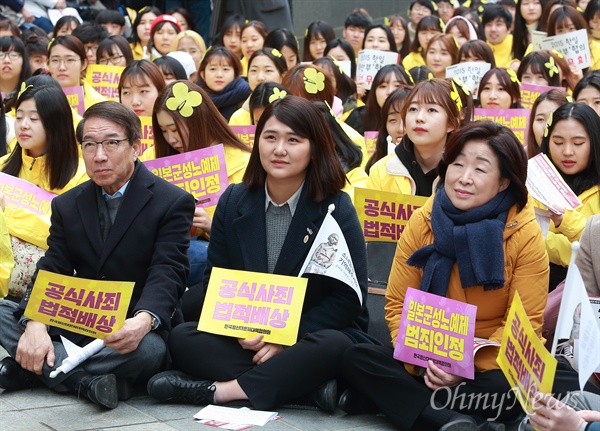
588	118
62	156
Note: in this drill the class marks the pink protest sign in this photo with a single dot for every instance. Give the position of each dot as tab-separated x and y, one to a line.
516	120
75	98
202	173
245	133
371	141
437	328
19	193
530	93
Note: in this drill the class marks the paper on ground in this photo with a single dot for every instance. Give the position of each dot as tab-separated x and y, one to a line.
231	415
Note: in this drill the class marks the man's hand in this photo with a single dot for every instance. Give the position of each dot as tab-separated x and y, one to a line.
436	378
34	347
264	351
202	220
128	338
553	415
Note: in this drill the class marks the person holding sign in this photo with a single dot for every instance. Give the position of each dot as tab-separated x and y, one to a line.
67	62
429	115
179	130
125	224
572	143
46	156
268	224
481	193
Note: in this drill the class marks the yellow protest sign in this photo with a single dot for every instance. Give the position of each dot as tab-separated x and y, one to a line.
104	78
383	215
95	308
147	133
523	359
245	304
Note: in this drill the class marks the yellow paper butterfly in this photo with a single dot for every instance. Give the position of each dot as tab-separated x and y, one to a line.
276	53
558	54
513	76
386	21
551	66
548	124
277	94
314	81
184	101
570	99
23	89
429	76
339	66
456	97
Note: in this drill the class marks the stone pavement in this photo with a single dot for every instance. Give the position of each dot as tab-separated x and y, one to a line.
41	409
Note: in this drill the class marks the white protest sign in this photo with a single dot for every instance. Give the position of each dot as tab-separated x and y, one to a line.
574	46
369	63
470	73
536	39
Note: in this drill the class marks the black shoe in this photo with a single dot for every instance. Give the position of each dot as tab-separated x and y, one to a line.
176	386
325	396
353	403
13	376
124	389
101	390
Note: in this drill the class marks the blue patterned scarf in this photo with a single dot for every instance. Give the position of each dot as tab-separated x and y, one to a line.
474	239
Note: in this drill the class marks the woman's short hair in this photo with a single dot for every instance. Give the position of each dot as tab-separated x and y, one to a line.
559	17
282	37
106	47
536	60
427	23
435	91
71	43
199	135
448	42
62	156
233	21
274	55
263	95
325	174
171	66
478	49
512	159
511	87
224	53
142	72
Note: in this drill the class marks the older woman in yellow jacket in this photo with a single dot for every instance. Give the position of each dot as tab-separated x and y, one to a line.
476	241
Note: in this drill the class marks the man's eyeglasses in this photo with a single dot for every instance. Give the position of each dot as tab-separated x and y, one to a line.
109	145
71	61
13	55
112	60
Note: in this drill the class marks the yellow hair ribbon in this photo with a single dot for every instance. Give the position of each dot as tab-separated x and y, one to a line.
386	21
570	99
277	94
551	66
548	124
23	89
276	53
513	76
456	97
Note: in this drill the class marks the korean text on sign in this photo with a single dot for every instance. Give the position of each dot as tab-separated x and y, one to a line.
530	93
147	134
369	63
574	46
202	173
469	73
516	120
88	307
383	215
22	194
104	79
526	363
245	133
245	304
438	329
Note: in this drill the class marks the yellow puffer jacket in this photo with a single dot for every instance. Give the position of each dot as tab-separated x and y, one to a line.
24	224
7	261
357	177
525	271
413	59
559	239
390	175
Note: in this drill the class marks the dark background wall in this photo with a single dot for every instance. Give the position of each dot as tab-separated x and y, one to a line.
334	12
